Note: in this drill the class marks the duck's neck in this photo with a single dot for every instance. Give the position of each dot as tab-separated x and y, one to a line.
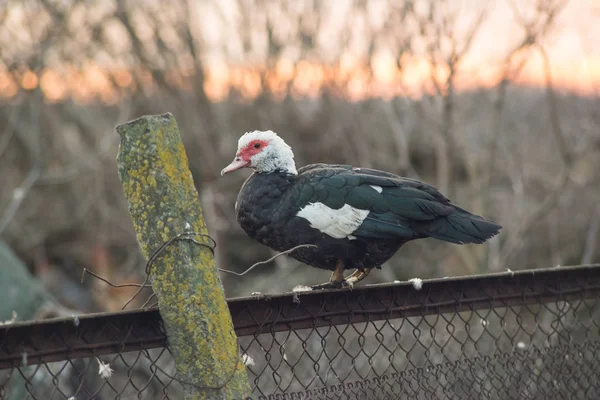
281	159
289	167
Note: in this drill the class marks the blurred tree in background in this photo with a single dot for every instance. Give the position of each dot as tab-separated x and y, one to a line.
486	100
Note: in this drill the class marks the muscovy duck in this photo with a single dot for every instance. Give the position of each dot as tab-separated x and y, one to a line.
356	217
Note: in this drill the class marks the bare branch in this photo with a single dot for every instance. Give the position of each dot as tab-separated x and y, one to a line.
119	285
267	261
553	112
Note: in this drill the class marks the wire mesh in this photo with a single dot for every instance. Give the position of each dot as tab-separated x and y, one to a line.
529	335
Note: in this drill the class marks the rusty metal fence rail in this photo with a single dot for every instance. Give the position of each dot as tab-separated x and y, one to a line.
523	335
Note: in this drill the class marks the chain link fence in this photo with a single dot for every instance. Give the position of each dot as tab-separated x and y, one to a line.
522	335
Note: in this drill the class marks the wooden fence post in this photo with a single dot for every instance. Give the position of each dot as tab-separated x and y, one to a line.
163	204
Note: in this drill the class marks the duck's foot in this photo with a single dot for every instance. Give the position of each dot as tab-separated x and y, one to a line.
356	277
337	278
328	285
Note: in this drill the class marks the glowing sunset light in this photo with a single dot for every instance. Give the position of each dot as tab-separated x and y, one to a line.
353	67
250	84
51	87
29	80
384	68
8	88
123	78
284	69
307	79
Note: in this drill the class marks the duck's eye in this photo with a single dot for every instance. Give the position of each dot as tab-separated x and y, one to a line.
257	145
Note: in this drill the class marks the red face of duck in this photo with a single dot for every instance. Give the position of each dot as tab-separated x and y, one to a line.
243	158
264	152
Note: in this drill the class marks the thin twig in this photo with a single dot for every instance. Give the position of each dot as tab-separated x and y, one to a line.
120	285
152	296
516	243
553	112
136	292
531	37
182	236
266	261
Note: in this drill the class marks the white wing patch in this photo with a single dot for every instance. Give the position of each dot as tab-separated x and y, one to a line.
338	223
379	189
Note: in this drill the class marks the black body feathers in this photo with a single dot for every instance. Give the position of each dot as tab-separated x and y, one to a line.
357	215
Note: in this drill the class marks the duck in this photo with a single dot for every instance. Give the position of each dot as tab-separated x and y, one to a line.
339	217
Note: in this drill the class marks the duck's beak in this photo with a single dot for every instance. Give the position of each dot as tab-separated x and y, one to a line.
236	164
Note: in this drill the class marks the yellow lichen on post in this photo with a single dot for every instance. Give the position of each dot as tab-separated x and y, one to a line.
163	203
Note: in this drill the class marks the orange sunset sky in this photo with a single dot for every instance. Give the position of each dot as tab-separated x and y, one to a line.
572	46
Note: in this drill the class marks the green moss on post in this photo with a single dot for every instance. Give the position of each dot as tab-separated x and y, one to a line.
163	202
